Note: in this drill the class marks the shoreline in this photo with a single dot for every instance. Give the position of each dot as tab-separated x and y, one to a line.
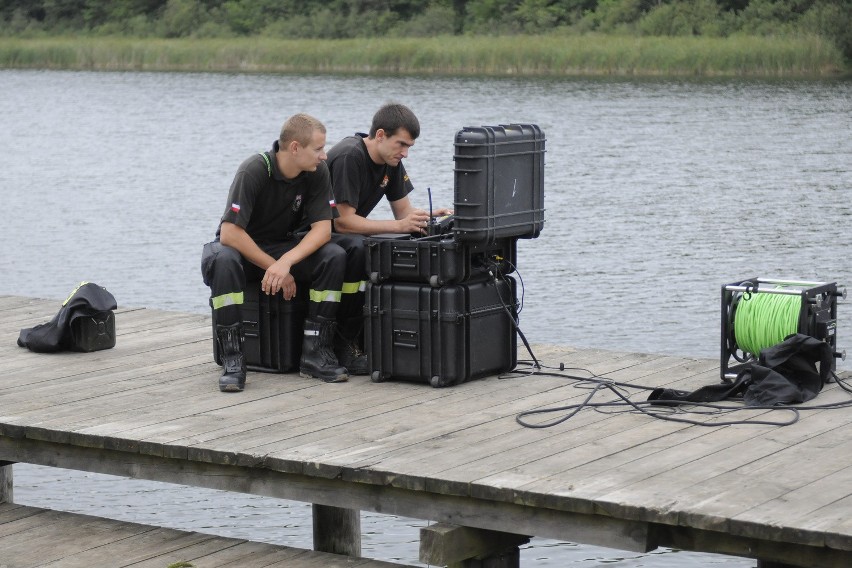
525	56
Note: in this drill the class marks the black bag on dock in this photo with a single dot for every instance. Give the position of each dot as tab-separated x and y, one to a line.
785	373
85	322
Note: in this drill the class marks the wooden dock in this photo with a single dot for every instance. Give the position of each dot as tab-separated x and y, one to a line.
150	408
30	536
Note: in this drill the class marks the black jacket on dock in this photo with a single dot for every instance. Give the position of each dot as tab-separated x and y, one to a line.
785	373
87	300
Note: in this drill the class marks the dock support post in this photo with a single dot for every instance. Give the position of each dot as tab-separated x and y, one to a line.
337	530
466	547
6	482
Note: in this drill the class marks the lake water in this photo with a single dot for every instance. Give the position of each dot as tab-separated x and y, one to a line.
658	192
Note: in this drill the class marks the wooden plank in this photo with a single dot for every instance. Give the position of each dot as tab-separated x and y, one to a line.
129	373
276	417
720	543
57	420
12	512
659	474
48	537
524	446
257	480
6	482
773	476
444	544
69	363
369	424
337	530
801	509
40	536
435	419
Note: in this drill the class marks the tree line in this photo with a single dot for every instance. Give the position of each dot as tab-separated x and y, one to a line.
338	19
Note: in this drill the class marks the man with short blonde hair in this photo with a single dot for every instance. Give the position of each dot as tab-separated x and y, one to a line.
300	127
276	228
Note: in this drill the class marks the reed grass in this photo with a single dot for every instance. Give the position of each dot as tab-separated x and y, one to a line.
466	55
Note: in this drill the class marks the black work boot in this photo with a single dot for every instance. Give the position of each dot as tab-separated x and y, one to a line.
318	360
230	338
348	346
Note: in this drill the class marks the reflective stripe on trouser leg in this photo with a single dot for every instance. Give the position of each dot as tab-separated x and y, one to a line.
355	278
231	299
222	270
352	302
324	303
354	287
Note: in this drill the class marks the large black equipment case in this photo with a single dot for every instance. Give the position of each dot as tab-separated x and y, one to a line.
273	329
437	261
441	336
499	182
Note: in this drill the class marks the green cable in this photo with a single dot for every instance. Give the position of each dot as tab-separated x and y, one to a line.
764	320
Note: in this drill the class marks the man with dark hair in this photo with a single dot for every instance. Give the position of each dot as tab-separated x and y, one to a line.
364	168
277	228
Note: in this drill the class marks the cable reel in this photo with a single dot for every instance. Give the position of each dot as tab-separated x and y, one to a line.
759	313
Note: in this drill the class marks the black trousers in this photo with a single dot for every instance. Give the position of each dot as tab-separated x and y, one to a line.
335	273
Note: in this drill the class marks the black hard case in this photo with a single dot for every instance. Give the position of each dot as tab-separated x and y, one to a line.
499	182
436	261
441	336
273	329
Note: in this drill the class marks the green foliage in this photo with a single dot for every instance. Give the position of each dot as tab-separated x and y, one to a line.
617	16
538	15
491	17
766	17
831	19
341	19
693	17
544	55
243	17
436	20
182	17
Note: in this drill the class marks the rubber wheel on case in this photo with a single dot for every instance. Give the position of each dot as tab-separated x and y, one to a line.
436	382
377	377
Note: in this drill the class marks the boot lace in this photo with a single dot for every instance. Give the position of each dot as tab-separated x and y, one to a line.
230	342
324	349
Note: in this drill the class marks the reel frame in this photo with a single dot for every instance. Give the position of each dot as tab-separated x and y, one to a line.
817	316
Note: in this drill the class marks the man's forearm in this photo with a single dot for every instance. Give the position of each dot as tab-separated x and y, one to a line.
360	225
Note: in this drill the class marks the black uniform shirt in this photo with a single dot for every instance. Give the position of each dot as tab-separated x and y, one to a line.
271	207
360	182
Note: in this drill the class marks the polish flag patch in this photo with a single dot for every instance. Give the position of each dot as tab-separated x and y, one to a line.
332	203
235	207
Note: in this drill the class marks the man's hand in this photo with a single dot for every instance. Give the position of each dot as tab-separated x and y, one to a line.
414	222
278	278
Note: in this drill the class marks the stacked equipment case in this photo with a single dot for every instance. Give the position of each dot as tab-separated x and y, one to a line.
272	330
442	309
